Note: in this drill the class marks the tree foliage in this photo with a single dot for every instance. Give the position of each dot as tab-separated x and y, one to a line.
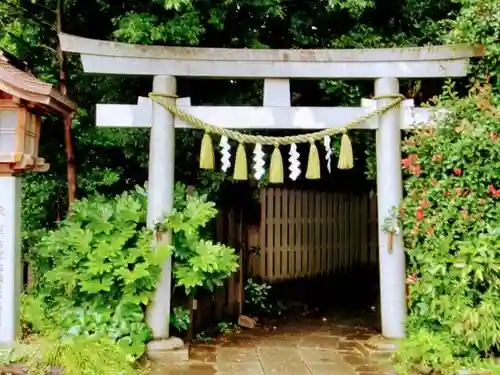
111	161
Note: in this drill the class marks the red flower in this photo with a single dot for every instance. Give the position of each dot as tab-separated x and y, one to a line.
415	170
409	161
482	201
411	279
419	214
494	191
457	171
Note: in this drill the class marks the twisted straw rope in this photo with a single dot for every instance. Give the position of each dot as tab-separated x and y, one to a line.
269	140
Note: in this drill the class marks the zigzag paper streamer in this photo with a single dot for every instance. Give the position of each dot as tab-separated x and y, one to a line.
327	143
294	167
225	153
259	163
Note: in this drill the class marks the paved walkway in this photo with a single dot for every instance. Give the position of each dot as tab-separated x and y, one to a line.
301	348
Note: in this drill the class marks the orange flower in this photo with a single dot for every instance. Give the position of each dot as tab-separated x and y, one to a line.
415	170
419	214
493	191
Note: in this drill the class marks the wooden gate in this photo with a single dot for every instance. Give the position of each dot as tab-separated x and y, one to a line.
306	233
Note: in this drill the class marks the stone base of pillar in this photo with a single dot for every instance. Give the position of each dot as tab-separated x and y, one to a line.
171	350
379	350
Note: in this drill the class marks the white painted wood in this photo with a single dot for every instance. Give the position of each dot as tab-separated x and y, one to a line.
138	115
161	200
10	258
76	44
267	117
276	92
274	69
389	196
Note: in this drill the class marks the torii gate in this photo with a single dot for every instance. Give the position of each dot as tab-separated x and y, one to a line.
276	67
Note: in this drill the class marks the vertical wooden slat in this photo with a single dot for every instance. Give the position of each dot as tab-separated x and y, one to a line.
311	244
285	245
335	236
292	244
270	235
356	225
374	231
230	284
317	232
324	242
278	223
347	247
345	262
299	224
305	234
351	227
264	223
329	230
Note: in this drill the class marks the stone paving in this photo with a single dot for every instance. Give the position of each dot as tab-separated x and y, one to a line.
300	348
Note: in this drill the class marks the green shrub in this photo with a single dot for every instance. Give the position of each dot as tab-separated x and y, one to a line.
96	273
450	222
89	355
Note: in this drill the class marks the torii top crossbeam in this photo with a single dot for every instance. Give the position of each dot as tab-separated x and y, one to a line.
420	62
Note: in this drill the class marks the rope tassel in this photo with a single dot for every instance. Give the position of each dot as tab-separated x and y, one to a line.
346	159
276	173
313	165
241	165
207	157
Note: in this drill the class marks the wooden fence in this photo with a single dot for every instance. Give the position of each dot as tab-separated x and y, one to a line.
302	234
226	302
306	233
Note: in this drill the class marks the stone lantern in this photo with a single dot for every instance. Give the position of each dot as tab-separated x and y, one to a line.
24	99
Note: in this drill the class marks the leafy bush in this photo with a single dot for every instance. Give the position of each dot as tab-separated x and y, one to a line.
75	356
96	273
180	318
198	262
258	300
450	223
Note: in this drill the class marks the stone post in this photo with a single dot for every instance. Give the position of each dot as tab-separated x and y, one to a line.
10	258
389	195
160	199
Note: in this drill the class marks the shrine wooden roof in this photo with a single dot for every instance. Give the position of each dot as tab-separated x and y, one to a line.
24	85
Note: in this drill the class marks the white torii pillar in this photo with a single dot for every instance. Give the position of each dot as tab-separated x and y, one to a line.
161	199
389	196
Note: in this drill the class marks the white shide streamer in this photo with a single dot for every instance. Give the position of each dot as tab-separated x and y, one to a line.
294	167
225	153
259	163
327	143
